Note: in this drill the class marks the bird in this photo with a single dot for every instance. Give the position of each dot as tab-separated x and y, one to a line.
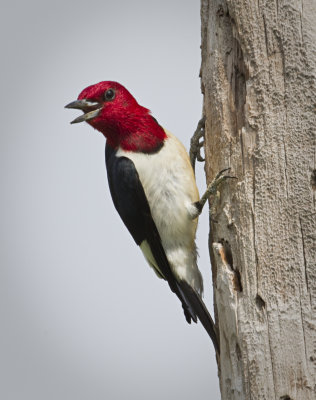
153	188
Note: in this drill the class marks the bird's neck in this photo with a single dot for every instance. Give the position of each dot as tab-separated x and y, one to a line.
142	134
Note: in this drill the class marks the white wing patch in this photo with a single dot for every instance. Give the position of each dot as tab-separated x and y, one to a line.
145	248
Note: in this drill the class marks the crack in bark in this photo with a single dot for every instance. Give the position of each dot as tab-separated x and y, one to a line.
242	153
271	357
304	256
265	34
253	222
303	328
301	14
305	261
285	168
314	170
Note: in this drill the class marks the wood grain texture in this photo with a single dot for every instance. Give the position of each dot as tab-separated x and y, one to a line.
258	77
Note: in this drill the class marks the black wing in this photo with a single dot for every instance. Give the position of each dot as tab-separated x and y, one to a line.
131	203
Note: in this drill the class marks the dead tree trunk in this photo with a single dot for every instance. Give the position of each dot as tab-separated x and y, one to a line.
258	79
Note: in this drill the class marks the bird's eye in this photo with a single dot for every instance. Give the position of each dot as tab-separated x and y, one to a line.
109	95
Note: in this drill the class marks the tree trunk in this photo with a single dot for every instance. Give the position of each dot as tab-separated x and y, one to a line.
258	79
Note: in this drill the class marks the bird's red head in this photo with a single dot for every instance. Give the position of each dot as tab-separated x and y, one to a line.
112	110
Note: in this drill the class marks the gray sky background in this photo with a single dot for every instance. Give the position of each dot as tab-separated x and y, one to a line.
82	315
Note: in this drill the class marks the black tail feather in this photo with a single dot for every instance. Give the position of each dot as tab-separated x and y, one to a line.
195	307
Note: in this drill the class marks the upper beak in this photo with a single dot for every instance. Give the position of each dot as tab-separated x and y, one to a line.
90	108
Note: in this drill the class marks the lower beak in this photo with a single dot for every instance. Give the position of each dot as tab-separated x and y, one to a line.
91	109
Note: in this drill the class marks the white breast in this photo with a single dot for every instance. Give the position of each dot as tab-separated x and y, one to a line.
169	184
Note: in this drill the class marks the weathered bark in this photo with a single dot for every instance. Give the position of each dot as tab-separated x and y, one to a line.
258	79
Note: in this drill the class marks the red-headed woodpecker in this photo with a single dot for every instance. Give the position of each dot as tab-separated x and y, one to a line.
153	188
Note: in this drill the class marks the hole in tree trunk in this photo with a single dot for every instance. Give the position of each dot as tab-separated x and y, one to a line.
238	351
229	260
237	281
228	252
260	303
313	179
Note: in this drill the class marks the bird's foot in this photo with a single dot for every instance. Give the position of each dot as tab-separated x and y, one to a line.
212	189
196	143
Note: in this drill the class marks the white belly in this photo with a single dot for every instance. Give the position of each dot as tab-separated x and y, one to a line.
169	185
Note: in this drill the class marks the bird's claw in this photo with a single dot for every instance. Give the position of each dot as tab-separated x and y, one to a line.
198	154
196	144
221	172
219	178
212	189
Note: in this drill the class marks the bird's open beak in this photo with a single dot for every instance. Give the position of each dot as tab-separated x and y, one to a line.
90	108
